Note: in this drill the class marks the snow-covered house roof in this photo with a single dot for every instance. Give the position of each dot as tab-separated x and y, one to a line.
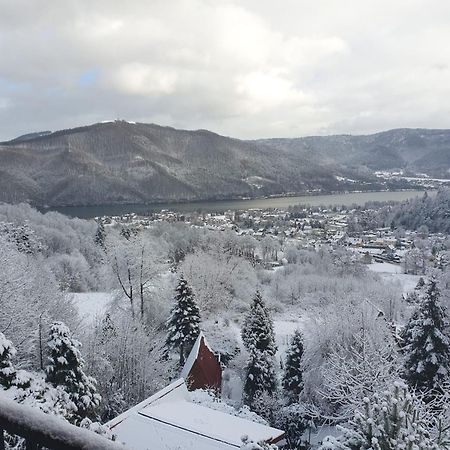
202	369
168	420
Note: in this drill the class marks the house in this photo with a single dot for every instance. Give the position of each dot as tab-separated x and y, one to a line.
169	420
202	369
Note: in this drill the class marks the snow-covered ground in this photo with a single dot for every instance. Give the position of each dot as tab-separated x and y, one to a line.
284	330
394	273
91	304
385	268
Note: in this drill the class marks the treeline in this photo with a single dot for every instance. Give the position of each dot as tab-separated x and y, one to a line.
428	213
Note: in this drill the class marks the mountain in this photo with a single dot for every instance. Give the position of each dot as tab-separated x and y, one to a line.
124	162
411	150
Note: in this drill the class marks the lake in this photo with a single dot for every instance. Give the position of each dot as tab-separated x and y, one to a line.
347	199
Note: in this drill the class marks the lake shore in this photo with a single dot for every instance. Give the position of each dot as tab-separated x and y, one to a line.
346	199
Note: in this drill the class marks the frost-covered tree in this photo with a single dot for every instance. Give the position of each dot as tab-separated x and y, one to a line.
7	370
184	322
260	376
389	421
65	369
218	278
293	371
257	330
427	348
136	260
351	373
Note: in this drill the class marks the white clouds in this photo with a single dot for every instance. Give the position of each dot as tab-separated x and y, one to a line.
244	68
266	90
142	79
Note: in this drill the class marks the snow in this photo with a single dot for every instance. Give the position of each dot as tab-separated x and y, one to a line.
284	331
319	434
46	425
394	273
386	268
170	421
91	304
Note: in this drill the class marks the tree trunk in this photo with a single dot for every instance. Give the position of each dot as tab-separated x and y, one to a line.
181	355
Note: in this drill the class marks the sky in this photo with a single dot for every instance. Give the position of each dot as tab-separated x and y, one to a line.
242	68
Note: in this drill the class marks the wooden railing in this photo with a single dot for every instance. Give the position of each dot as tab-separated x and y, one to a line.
42	430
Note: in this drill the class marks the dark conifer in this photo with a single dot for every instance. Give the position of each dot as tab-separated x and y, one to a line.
257	331
184	321
293	374
427	348
65	369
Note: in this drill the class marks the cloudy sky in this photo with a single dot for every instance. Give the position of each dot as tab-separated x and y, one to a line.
244	68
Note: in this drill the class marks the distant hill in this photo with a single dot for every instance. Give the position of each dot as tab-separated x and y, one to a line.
412	150
122	162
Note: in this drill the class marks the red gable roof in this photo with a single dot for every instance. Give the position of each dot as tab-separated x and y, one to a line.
202	369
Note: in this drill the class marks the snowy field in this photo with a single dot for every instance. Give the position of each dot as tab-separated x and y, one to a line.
91	304
394	273
385	268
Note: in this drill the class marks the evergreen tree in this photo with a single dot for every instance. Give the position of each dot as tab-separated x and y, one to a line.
292	378
427	348
257	330
260	376
100	235
420	284
389	421
184	321
65	369
7	371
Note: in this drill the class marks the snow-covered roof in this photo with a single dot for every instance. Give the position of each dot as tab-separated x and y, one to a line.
170	421
193	355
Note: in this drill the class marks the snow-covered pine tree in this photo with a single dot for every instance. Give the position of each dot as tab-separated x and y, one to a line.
260	376
293	373
391	420
100	235
184	322
65	369
257	330
420	284
427	348
7	371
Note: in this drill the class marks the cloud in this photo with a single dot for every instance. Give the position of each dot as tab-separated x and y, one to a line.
252	68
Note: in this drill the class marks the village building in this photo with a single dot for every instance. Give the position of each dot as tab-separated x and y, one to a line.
202	369
169	420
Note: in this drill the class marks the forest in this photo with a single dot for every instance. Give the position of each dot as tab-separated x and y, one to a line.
316	345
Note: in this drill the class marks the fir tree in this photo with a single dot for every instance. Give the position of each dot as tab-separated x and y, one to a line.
7	371
292	378
108	329
420	284
100	235
427	348
65	369
184	321
388	421
257	330
260	376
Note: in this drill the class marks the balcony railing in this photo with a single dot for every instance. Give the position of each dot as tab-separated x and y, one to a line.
41	430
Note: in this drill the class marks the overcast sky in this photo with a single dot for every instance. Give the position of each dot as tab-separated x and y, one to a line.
248	68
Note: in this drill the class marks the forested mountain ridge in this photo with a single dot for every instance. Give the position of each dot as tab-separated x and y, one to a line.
412	150
124	162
